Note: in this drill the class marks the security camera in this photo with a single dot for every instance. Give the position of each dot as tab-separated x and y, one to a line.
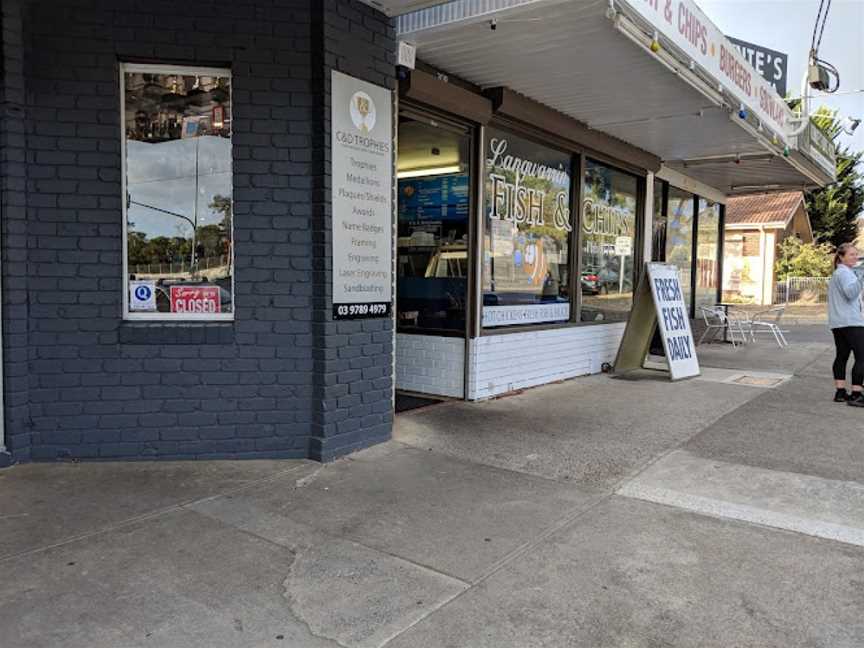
818	78
493	24
850	124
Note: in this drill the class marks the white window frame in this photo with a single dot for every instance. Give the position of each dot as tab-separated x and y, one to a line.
184	71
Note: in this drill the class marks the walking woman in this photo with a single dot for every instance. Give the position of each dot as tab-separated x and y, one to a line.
846	322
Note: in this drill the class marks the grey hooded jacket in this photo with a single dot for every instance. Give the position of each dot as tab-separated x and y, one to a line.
844	299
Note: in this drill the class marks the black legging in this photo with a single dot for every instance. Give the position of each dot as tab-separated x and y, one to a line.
849	339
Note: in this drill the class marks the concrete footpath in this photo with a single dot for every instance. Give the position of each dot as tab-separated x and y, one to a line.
725	511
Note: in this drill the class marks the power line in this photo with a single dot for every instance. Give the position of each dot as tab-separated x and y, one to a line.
816	27
824	21
835	94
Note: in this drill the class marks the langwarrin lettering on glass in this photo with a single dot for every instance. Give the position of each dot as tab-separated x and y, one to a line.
522	198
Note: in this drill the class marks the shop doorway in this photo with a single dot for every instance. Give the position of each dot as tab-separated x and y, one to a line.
406	401
432	258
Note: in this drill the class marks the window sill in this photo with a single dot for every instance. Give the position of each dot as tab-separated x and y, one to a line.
550	326
161	332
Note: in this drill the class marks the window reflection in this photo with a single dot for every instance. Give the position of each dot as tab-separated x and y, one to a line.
707	243
526	249
608	243
658	224
178	193
679	241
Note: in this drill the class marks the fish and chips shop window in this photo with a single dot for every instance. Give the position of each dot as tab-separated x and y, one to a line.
608	235
679	238
178	225
707	253
432	258
527	232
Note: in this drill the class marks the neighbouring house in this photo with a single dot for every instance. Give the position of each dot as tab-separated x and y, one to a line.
755	226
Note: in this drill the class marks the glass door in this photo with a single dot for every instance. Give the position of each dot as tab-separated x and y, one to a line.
434	191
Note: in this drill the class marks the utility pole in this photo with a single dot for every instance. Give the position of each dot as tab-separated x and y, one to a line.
195	215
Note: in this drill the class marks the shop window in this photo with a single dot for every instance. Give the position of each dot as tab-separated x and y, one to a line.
178	257
433	206
608	243
707	253
527	230
679	239
658	223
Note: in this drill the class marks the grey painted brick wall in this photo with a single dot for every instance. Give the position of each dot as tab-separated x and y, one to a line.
282	380
353	359
13	178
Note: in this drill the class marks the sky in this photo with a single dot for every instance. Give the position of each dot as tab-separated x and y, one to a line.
787	26
162	175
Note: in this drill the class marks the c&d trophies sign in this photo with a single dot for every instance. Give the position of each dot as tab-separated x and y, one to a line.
659	302
362	198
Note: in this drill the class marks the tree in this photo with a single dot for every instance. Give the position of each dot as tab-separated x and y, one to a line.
834	210
798	259
222	205
137	247
210	239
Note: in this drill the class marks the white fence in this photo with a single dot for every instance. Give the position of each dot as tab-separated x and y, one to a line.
218	263
802	290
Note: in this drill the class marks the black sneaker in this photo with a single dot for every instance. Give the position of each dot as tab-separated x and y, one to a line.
856	400
841	396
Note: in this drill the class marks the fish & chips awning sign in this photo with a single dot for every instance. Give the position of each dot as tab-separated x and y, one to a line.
684	24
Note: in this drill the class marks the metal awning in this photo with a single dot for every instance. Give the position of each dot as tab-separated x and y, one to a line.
592	61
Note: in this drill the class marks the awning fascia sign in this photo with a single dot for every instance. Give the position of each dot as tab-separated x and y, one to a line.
684	25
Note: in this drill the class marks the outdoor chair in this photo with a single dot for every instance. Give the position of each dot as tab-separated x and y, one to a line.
717	319
768	321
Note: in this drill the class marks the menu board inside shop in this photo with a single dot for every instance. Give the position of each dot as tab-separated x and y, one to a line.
434	198
362	198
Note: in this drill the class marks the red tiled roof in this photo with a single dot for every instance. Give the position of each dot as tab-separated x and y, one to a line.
763	208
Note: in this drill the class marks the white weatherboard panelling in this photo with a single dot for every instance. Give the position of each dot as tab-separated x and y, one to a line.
429	364
504	363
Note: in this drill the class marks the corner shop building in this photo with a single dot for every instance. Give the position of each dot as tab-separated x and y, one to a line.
180	212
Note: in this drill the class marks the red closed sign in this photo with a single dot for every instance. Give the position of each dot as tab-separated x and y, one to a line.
195	299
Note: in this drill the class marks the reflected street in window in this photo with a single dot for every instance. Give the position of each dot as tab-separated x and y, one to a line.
178	194
608	243
679	241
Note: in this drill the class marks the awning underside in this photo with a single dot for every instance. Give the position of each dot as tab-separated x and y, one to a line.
569	56
748	176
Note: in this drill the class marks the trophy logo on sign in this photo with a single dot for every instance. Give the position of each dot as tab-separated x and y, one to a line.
362	110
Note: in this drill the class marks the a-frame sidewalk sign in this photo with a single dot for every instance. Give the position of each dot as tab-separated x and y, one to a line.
659	304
